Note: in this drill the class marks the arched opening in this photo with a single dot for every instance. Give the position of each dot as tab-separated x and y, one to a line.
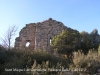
50	40
27	44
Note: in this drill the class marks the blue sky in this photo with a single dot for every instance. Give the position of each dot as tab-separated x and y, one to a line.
83	15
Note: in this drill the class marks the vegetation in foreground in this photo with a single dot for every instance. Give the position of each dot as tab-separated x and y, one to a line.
19	62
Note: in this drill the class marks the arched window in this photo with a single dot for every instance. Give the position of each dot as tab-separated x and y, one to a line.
27	44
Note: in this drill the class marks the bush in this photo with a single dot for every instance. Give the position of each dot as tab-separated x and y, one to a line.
20	59
90	62
46	68
24	59
66	42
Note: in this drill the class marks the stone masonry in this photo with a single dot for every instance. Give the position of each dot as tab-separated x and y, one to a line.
39	34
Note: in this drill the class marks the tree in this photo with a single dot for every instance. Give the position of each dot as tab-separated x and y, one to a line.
85	41
95	39
8	37
67	41
90	41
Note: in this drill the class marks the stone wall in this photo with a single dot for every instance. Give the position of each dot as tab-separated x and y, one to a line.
39	34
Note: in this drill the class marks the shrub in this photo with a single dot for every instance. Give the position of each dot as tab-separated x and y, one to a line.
90	62
45	68
24	59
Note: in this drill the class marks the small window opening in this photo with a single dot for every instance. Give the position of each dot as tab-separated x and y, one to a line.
50	41
27	44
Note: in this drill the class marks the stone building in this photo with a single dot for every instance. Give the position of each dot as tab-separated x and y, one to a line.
39	34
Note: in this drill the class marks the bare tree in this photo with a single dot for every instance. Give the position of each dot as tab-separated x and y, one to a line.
8	36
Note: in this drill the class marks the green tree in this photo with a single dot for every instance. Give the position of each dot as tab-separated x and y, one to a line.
90	41
66	42
85	41
95	39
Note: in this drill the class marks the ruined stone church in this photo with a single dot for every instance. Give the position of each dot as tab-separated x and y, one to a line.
39	34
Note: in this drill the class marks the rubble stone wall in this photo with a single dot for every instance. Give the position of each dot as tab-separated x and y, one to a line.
39	34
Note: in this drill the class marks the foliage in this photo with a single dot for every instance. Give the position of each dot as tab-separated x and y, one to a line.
46	68
85	42
71	40
89	41
90	63
19	59
66	42
24	59
95	40
99	49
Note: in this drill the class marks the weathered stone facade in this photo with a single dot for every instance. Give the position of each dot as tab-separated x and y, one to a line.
39	34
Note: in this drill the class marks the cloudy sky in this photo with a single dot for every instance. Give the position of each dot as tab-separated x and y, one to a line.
83	15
